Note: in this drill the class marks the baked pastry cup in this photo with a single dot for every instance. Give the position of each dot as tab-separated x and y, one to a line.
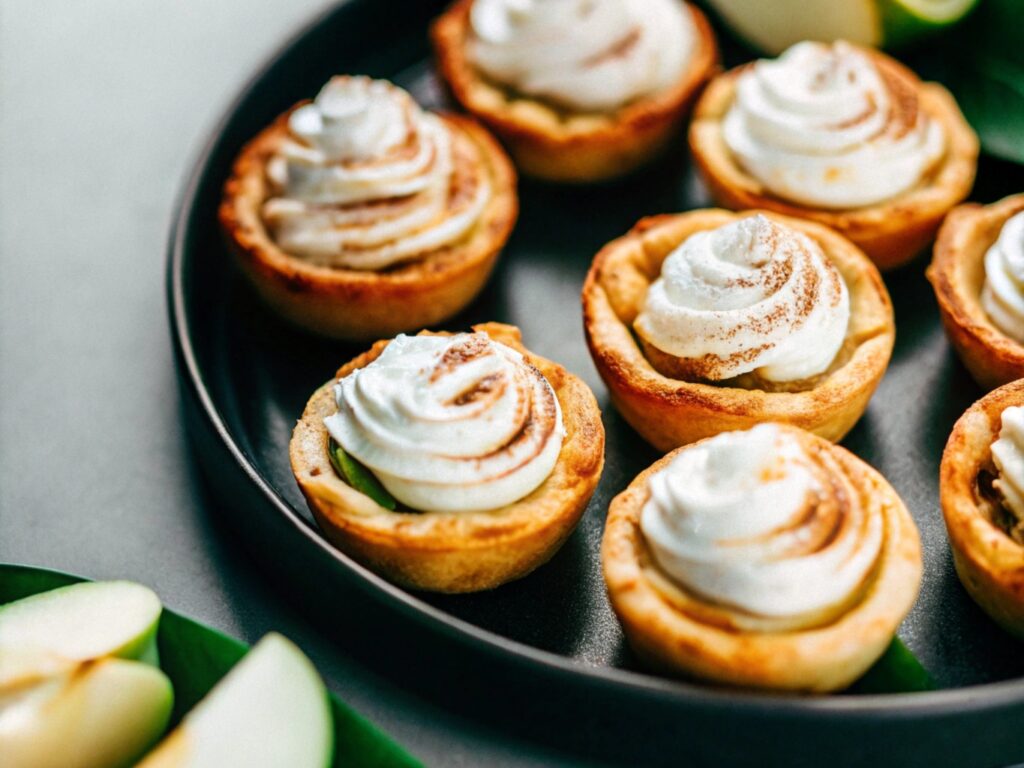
989	562
556	144
455	551
891	232
678	631
366	304
668	411
957	273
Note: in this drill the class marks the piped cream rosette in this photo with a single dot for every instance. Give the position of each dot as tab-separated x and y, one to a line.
1008	458
450	423
1002	296
752	296
366	179
584	55
765	558
769	534
822	125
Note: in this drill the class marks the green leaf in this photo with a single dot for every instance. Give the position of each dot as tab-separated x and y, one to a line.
359	477
195	657
993	102
982	63
897	671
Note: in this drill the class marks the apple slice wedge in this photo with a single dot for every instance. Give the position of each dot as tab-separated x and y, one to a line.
270	711
97	714
85	621
66	699
774	25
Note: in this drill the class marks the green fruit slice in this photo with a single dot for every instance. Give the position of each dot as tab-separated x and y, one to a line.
101	714
82	622
359	477
774	26
904	21
270	711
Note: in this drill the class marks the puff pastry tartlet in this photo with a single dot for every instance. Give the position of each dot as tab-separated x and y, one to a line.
982	492
359	215
710	321
490	452
841	135
978	275
768	558
578	90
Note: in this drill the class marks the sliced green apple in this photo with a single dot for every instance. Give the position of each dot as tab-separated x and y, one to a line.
904	21
97	714
84	621
270	711
774	25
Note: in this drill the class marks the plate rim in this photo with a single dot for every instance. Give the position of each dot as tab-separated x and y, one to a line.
977	698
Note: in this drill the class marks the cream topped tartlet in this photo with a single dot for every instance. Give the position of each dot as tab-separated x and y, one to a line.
842	135
977	272
823	126
451	463
981	488
579	90
766	558
752	296
360	214
364	179
583	55
710	321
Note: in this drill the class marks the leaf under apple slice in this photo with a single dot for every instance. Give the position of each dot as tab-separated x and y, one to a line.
195	657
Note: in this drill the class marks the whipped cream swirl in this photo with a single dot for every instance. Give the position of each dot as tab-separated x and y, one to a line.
585	55
825	126
1008	456
757	522
752	295
1002	297
450	423
366	179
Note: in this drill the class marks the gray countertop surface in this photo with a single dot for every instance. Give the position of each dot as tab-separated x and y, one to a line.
103	106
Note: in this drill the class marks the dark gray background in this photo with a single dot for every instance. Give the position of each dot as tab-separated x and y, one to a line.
102	107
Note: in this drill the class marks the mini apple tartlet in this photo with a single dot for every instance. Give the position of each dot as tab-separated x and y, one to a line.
767	558
450	463
359	214
978	276
711	321
981	488
578	90
841	135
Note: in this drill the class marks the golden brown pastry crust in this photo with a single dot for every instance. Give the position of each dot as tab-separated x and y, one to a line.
364	304
570	147
669	412
957	274
457	551
890	233
990	563
817	659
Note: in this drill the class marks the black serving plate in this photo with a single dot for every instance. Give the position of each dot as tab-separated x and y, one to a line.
545	657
